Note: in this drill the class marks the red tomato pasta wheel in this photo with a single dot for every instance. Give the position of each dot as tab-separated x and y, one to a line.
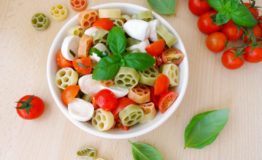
139	94
87	18
78	5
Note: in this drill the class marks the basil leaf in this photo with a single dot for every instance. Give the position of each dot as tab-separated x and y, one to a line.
216	4
107	68
97	52
142	151
116	40
221	18
243	17
139	61
204	128
166	7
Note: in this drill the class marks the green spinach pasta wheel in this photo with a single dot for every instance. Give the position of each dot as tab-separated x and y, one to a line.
87	153
131	115
127	77
40	21
119	22
103	120
139	94
66	77
59	12
145	15
149	76
149	112
172	72
77	31
169	38
100	36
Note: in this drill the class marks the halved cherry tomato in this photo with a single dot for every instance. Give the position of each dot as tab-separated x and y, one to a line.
255	32
161	85
232	31
78	5
173	55
206	24
61	61
30	107
122	103
230	60
104	23
153	97
252	9
166	100
156	48
83	65
199	7
106	100
253	54
69	94
216	42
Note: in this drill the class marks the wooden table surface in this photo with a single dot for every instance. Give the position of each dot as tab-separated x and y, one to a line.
52	137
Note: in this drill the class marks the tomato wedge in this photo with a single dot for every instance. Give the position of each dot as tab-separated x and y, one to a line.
61	61
122	103
166	100
161	85
69	94
156	48
83	65
104	23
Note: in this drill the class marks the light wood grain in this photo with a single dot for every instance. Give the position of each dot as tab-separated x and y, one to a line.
52	137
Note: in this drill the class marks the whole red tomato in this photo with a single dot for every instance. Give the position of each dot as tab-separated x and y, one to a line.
216	42
253	54
206	24
106	100
232	31
255	32
230	59
198	7
30	107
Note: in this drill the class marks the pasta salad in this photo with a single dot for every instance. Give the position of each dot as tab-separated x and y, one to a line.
117	70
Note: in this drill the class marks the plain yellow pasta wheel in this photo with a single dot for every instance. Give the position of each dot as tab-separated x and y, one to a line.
66	77
103	120
59	12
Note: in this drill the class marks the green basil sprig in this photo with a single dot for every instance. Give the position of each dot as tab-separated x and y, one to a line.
232	9
108	66
204	128
142	151
166	7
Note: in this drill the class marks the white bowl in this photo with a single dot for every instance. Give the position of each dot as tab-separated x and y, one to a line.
137	130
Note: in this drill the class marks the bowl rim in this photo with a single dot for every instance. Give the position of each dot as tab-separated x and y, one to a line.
105	134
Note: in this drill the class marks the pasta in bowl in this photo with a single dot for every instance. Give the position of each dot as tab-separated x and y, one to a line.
117	70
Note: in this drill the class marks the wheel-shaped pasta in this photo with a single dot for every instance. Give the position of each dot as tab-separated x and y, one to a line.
87	18
139	94
66	77
78	5
103	120
148	76
127	77
140	47
40	21
172	72
87	153
100	36
59	12
77	31
131	115
149	112
169	38
119	22
85	44
144	15
109	13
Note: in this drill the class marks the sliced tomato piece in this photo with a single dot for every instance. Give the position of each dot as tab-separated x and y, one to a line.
122	103
106	100
156	48
161	85
83	65
69	94
104	23
154	98
61	61
166	100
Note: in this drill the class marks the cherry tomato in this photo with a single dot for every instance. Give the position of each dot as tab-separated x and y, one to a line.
69	94
156	48
83	65
252	9
216	42
253	54
232	31
206	24
153	97
78	5
161	85
122	103
230	60
260	22
256	32
199	7
106	100
30	107
166	100
61	61
104	23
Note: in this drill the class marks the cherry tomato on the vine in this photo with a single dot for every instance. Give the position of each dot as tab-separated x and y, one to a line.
199	7
232	31
255	32
216	42
252	9
231	60
206	24
253	54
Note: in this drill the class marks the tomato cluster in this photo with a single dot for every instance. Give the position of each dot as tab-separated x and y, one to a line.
225	37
